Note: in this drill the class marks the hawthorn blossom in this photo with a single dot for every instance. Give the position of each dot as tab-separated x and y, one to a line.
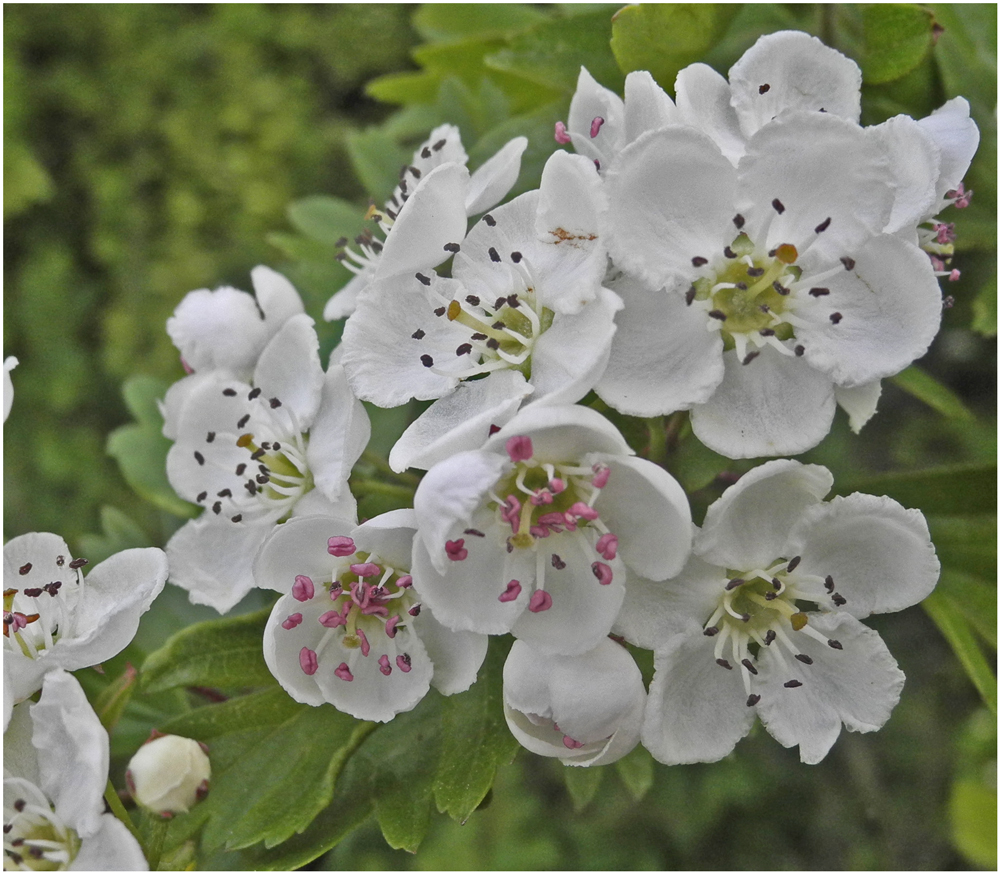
253	454
169	774
55	617
584	709
764	618
9	363
532	533
756	295
350	629
55	771
428	208
525	296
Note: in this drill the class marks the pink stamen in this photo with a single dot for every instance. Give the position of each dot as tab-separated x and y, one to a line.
960	196
404	582
366	647
368	569
403	663
390	626
557	485
542	496
340	546
383	665
456	550
607	545
539	531
571	744
601	474
540	601
510	511
561	136
954	275
308	661
555	521
292	621
595	126
937	264
344	672
602	572
303	588
336	590
945	233
511	592
519	448
333	619
583	511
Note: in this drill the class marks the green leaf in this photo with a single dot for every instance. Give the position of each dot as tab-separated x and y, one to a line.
636	771
975	598
582	784
326	219
141	453
221	653
446	22
264	709
141	394
694	464
119	532
111	703
956	490
897	36
939	397
663	38
476	740
984	309
404	810
972	809
966	543
552	53
376	161
962	641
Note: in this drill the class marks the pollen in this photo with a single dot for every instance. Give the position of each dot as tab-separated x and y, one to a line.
454	310
786	253
244	440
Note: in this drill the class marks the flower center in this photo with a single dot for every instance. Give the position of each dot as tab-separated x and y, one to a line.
37	615
34	837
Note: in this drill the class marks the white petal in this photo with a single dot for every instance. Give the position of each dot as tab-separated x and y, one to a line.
648	511
9	363
570	197
344	302
795	71
299	546
858	686
879	554
276	295
338	436
776	405
315	503
461	421
957	137
748	526
389	536
696	710
218	329
111	848
456	655
890	307
670	199
491	182
289	369
433	215
859	402
662	358
818	167
591	100
914	161
562	433
647	106
703	101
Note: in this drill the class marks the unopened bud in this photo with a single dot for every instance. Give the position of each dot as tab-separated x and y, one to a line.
169	774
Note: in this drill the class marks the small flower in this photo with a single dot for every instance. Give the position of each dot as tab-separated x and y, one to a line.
254	454
584	709
55	773
169	774
351	629
763	619
546	517
9	363
55	617
428	209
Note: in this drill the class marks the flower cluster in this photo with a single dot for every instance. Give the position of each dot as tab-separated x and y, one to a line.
747	252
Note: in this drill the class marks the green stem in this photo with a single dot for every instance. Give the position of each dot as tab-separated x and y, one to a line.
156	830
370	487
118	809
657	440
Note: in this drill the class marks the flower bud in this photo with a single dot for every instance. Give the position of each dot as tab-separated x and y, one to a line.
169	774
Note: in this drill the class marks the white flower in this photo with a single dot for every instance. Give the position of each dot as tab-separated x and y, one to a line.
584	709
55	617
226	330
253	455
761	288
532	533
9	363
429	208
169	774
349	629
525	297
763	619
55	770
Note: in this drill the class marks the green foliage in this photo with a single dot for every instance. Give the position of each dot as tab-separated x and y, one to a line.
897	36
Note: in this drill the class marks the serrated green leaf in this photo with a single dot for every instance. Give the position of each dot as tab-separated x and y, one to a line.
404	811
958	633
551	54
984	309
221	653
476	740
897	36
326	219
937	396
956	490
445	22
636	771
141	453
663	38
975	598
972	809
582	784
264	709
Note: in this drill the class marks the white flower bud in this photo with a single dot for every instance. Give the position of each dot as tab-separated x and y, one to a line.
169	774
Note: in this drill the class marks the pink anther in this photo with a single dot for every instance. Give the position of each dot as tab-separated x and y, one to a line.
583	511
540	601
519	448
333	619
607	545
595	126
954	275
571	744
303	588
383	665
601	474
390	626
366	647
510	511
456	549
343	672
404	582
340	546
557	485
292	621
367	569
511	592
945	233
602	572
541	496
308	661
403	663
554	521
561	136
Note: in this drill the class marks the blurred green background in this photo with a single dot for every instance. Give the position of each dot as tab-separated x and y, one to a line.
151	150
